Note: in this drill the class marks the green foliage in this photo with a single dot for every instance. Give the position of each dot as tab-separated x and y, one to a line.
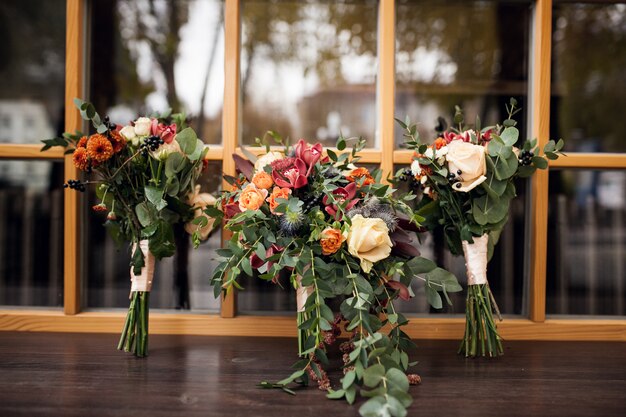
483	209
287	238
145	194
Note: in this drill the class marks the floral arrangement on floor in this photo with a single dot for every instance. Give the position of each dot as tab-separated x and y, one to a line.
467	179
331	229
146	175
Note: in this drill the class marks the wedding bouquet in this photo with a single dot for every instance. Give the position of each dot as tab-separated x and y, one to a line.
332	229
467	178
145	174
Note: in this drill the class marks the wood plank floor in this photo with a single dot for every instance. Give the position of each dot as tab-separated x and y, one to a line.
48	374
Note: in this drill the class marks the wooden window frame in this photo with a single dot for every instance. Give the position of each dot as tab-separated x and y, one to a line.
228	323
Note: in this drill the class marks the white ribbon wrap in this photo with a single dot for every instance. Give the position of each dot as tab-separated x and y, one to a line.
302	293
476	260
143	281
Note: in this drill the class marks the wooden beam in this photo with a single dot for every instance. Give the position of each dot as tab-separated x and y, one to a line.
368	156
11	151
540	128
386	83
74	65
591	161
230	114
285	326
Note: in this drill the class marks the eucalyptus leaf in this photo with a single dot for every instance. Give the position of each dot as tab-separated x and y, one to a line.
174	163
373	375
187	139
433	298
146	213
510	135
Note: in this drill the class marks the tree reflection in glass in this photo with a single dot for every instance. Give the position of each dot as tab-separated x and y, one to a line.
309	69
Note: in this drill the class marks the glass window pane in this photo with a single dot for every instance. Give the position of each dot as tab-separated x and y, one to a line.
151	55
589	76
309	69
32	70
31	233
587	243
180	282
468	53
506	270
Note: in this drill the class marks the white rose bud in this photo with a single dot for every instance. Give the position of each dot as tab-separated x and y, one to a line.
469	159
142	126
128	133
267	159
416	169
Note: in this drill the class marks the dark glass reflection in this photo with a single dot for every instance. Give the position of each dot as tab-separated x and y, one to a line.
468	53
589	76
31	233
147	56
150	55
32	70
308	69
180	282
587	243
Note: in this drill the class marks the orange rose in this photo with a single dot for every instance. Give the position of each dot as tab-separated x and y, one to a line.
277	192
357	173
251	198
263	180
331	240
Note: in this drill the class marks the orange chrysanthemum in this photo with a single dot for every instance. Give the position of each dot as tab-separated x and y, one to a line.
99	148
117	141
357	173
82	143
81	159
440	143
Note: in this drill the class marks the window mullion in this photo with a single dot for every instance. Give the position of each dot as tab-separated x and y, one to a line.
230	120
540	129
74	60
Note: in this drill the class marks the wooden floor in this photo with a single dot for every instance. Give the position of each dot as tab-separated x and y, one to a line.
48	374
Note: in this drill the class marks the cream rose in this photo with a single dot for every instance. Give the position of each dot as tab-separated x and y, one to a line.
142	126
199	201
267	159
369	241
128	133
469	159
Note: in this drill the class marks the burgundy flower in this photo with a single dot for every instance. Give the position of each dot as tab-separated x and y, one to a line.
165	132
397	285
309	154
450	136
256	262
289	173
486	136
341	195
231	210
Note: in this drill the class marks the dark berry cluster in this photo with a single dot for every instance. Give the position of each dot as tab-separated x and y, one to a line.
75	185
151	144
526	158
455	178
107	122
407	175
311	201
